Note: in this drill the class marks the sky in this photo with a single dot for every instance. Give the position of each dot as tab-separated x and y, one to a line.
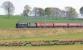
19	4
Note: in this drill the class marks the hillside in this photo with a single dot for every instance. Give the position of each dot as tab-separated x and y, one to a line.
10	22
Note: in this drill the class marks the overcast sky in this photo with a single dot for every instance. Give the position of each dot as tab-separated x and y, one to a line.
19	4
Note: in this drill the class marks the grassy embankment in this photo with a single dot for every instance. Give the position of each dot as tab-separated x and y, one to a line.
9	33
41	34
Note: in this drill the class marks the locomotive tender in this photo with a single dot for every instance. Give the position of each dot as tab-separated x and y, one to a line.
48	25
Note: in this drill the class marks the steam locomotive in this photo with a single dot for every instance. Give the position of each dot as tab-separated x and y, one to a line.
48	25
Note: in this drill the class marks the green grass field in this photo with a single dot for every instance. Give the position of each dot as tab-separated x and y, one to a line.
10	22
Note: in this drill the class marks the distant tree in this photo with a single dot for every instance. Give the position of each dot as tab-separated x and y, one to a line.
41	12
63	13
47	11
81	11
54	12
38	11
8	7
26	10
71	12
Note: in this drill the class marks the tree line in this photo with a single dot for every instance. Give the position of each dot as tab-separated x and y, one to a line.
69	12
